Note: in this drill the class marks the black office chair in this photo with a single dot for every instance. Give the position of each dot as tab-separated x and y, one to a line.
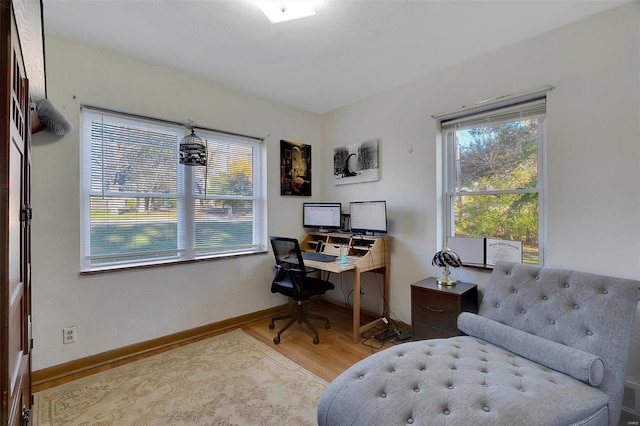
292	280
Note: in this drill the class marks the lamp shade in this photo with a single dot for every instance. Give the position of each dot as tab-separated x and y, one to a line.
446	258
193	151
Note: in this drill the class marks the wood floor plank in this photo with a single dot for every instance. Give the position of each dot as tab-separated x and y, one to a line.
336	351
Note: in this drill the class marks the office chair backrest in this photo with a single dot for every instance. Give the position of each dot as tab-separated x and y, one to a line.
287	253
290	270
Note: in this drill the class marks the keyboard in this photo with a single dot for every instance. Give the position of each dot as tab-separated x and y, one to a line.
319	257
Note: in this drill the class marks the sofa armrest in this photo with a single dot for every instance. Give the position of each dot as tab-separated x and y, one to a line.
565	359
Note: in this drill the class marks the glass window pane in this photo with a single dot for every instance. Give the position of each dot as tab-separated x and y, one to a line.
506	217
497	157
126	226
224	223
126	158
229	170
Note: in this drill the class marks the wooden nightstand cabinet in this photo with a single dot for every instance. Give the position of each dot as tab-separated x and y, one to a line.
435	308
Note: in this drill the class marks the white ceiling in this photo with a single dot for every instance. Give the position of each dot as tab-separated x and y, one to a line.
349	50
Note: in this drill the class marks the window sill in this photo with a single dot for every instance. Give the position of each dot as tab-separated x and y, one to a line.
167	263
478	266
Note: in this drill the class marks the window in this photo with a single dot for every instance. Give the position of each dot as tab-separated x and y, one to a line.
139	206
493	175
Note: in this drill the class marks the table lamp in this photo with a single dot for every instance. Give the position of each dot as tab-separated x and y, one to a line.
446	258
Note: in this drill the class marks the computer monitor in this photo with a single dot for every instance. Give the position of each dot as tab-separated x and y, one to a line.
322	216
368	216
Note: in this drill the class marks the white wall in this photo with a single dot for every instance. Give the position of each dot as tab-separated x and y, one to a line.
593	179
592	157
117	309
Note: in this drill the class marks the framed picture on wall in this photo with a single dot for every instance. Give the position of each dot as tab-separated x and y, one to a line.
356	163
295	168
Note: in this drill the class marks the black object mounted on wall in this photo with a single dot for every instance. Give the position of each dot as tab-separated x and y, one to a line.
46	117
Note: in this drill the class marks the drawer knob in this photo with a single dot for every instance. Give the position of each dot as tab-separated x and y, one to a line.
429	308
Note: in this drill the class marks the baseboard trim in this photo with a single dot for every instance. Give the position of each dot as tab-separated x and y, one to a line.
41	378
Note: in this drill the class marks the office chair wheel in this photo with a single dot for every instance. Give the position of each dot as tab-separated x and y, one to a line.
276	340
316	340
272	325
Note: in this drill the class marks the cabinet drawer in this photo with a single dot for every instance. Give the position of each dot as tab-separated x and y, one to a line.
436	310
423	331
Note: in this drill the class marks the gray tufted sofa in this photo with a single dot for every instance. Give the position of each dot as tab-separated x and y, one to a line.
548	347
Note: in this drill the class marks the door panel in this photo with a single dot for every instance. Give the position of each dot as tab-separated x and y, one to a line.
17	356
15	386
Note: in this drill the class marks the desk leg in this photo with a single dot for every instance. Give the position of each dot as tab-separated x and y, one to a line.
385	301
357	329
356	306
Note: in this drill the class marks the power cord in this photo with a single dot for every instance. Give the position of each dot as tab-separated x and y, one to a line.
370	339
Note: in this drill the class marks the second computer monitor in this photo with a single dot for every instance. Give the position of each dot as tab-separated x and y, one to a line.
368	216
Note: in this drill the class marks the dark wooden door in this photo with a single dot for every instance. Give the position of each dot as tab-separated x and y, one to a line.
15	223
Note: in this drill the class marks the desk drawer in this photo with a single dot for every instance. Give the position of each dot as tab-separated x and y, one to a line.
335	249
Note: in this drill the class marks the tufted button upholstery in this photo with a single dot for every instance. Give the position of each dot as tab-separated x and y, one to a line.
466	380
467	394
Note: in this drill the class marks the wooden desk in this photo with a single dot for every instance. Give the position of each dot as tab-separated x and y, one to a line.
364	254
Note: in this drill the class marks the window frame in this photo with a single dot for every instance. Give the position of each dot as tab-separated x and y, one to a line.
186	197
492	114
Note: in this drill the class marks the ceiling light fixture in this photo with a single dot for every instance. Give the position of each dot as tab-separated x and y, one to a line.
280	11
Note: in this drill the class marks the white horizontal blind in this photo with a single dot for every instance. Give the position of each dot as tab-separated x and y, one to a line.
130	206
140	206
228	212
521	111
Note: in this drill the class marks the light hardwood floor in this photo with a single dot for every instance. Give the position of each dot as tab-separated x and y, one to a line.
336	350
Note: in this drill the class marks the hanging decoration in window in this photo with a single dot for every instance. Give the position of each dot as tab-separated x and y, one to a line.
193	151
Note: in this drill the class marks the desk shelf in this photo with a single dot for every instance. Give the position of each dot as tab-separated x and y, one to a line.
374	250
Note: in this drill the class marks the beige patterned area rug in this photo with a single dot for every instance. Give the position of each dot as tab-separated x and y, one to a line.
230	379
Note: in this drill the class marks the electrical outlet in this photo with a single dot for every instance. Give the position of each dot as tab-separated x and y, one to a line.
69	334
631	398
